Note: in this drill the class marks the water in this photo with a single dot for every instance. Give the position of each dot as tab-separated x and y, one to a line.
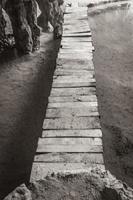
112	32
25	84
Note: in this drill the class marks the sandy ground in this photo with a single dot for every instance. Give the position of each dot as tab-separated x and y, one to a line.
113	39
25	84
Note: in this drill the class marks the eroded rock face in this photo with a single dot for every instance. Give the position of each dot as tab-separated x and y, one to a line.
20	193
94	184
2	29
6	34
51	11
23	17
21	29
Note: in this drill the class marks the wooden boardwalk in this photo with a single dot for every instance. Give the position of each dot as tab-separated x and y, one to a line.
71	137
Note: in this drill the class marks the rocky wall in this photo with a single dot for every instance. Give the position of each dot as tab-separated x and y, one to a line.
94	184
51	12
23	17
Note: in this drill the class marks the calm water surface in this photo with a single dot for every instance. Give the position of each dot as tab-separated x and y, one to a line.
112	32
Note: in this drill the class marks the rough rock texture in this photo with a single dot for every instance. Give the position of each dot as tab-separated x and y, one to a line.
44	16
20	193
51	11
21	29
6	34
23	17
31	16
94	184
2	29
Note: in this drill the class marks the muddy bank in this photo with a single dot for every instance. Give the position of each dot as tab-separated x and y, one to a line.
25	84
112	36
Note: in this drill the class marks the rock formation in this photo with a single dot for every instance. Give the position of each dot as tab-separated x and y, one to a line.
94	184
51	11
6	39
24	23
23	17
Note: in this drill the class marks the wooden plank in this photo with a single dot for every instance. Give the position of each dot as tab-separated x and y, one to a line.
77	35
81	46
76	53
70	73
72	123
63	84
75	56
69	112
56	92
41	170
77	39
68	141
95	158
78	44
74	78
75	66
70	148
72	104
78	62
73	133
83	50
91	98
77	30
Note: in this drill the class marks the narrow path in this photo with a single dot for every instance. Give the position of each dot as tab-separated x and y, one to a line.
71	137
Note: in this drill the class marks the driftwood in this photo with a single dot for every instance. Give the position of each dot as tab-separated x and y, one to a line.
92	184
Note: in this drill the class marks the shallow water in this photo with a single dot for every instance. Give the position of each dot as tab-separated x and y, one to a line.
112	32
25	84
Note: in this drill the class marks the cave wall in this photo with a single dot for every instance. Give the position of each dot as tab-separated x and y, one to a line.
23	17
51	12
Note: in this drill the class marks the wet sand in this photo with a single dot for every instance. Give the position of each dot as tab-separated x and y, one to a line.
25	84
112	33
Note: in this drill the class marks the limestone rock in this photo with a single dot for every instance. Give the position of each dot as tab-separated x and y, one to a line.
20	193
6	33
91	184
51	11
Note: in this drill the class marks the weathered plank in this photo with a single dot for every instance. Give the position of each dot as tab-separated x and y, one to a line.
73	104
73	133
76	39
75	56
95	158
41	170
72	72
76	98
77	34
69	112
74	78
78	62
56	92
75	50
69	141
79	148
73	84
72	123
74	67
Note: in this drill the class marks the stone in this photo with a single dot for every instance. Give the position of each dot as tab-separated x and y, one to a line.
6	33
51	11
94	183
23	16
21	29
31	16
21	192
43	19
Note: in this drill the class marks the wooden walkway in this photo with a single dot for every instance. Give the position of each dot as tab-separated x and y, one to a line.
71	137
